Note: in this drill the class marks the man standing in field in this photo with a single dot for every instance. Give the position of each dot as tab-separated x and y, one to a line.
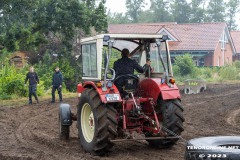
57	80
32	77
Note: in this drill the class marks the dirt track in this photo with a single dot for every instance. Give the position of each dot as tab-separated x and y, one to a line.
31	132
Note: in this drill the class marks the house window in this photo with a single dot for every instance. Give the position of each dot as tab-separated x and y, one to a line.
227	60
223	41
201	62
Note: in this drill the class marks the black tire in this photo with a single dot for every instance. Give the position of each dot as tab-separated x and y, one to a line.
196	149
64	130
105	123
172	119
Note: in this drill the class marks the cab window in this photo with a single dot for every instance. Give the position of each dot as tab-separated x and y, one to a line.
89	60
155	59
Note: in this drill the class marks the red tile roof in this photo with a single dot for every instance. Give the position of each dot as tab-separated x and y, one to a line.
191	36
236	40
137	27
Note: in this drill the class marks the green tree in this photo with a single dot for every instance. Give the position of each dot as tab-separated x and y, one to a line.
16	25
100	18
232	9
50	27
160	9
197	12
134	9
180	10
117	18
34	24
215	11
57	20
146	16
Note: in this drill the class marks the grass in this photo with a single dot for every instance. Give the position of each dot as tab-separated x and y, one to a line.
16	101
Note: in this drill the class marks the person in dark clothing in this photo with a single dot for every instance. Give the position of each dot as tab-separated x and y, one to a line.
147	68
57	80
32	77
126	65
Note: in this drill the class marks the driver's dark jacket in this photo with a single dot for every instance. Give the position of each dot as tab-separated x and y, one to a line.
126	65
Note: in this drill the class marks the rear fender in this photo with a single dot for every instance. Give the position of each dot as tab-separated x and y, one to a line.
65	114
153	88
102	94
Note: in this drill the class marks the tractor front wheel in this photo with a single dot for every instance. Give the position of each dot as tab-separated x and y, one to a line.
64	130
97	123
172	119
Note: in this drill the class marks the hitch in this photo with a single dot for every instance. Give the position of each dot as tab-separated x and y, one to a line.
73	117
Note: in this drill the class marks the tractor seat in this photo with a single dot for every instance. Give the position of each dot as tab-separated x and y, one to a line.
126	83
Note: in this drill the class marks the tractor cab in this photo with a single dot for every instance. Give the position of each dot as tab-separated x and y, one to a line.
96	54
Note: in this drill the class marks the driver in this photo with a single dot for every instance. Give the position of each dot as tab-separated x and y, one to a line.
126	65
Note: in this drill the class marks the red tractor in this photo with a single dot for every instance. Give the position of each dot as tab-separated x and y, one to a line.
150	106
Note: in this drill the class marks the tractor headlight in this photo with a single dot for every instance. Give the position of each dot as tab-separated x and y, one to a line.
172	81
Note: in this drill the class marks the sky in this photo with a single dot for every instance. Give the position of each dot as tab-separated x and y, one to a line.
119	6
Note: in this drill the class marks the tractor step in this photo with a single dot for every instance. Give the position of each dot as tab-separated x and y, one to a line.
147	138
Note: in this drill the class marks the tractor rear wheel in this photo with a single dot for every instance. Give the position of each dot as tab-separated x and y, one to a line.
97	123
172	119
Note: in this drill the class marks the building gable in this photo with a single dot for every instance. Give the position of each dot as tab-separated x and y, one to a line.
171	37
235	35
226	38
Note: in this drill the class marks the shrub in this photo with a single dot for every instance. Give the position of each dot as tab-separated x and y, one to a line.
11	80
236	64
184	65
229	72
205	73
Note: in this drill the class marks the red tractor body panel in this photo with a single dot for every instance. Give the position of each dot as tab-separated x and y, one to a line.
152	88
102	94
80	88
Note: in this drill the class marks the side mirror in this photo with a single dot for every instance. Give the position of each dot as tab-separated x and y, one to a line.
106	38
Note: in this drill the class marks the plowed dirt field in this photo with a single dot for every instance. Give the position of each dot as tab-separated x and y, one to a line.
31	132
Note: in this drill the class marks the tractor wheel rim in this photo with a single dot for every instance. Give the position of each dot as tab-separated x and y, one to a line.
87	122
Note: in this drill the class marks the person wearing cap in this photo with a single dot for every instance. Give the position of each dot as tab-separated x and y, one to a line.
126	65
57	81
147	68
32	77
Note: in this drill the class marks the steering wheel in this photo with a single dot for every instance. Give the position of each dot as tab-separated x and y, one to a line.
126	76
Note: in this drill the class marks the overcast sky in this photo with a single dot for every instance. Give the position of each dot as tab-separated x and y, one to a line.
119	6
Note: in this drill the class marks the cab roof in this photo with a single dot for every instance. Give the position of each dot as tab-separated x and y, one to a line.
124	37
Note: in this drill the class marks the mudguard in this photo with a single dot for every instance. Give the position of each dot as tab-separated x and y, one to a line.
102	94
65	114
152	87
